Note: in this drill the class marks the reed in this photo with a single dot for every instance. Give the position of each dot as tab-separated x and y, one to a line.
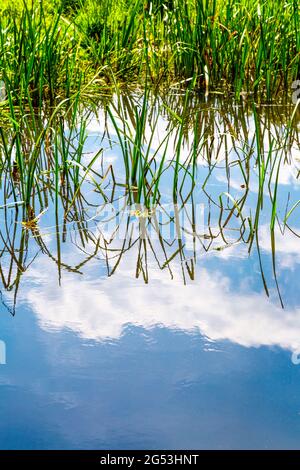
246	46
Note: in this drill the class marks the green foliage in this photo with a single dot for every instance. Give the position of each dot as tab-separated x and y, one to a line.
249	45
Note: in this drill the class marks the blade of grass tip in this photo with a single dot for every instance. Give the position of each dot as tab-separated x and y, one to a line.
291	211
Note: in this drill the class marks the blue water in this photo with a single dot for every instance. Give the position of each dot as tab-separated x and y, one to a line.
157	389
147	367
181	361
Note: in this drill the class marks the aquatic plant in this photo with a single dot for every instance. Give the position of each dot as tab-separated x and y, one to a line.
50	47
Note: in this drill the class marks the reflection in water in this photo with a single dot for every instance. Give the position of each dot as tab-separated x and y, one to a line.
149	297
218	306
216	179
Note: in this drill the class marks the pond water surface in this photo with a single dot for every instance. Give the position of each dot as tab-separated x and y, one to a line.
137	337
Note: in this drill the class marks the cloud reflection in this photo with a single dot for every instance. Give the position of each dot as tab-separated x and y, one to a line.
101	308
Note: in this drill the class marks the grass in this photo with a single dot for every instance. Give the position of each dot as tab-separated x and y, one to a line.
48	48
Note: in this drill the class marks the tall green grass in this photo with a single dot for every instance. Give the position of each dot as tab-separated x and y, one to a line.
41	59
250	45
245	46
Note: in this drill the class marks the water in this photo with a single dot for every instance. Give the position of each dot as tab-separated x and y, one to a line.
151	344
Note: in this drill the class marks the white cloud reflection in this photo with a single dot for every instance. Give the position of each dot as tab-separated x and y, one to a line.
100	308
